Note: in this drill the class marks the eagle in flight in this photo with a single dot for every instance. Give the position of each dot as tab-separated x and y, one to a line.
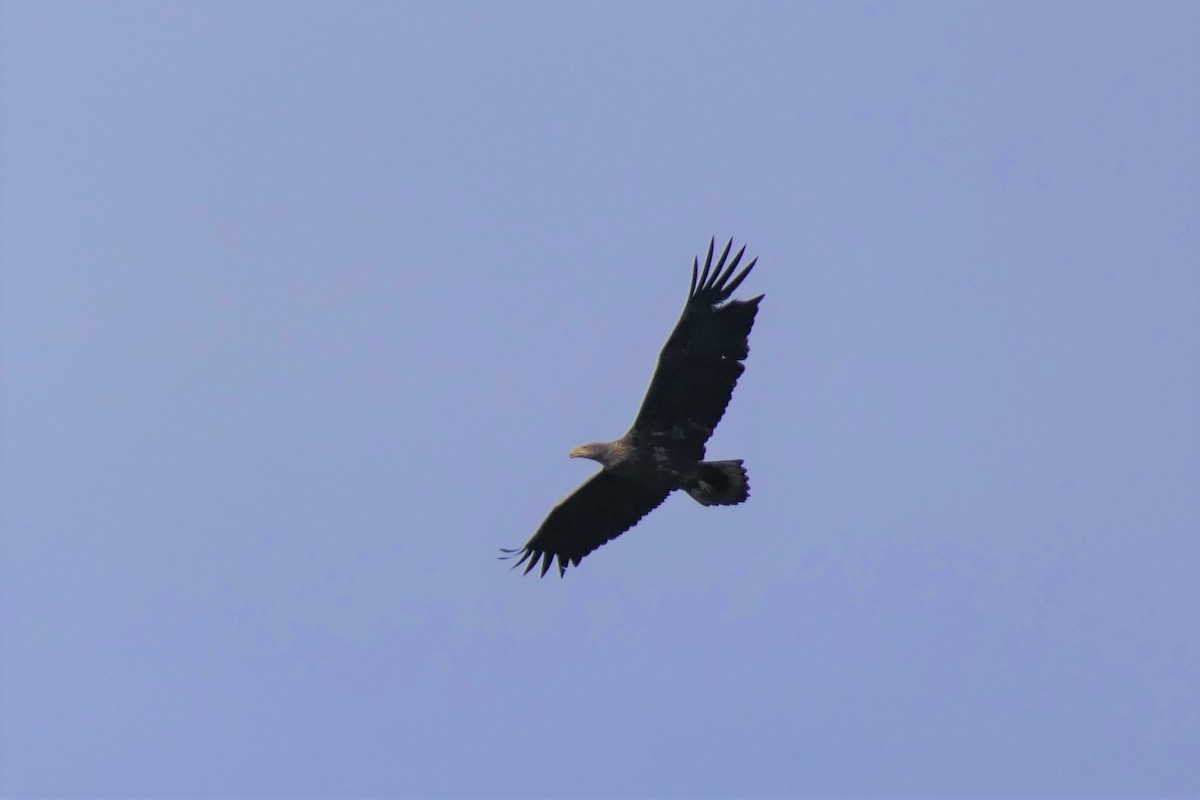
664	450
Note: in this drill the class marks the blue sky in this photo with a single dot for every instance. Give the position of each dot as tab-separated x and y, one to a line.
303	305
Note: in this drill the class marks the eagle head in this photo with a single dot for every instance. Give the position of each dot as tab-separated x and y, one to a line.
592	450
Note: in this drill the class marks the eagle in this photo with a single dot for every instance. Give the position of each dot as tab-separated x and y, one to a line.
664	449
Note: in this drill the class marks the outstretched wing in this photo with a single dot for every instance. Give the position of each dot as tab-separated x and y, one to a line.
600	510
702	359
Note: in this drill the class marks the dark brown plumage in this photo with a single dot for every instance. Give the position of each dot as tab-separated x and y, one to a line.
664	449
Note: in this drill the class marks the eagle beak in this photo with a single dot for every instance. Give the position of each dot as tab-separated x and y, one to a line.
578	452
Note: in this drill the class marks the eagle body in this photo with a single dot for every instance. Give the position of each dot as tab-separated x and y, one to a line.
655	461
640	458
664	449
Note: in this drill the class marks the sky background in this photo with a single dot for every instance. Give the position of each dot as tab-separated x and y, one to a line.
303	305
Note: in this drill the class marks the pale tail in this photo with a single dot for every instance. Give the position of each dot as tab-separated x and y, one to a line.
719	483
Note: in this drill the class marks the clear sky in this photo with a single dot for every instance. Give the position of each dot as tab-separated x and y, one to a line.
303	305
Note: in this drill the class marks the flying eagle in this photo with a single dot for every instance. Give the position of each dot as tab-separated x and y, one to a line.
664	450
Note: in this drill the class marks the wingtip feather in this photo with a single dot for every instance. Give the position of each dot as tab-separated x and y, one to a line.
720	265
741	276
720	284
707	263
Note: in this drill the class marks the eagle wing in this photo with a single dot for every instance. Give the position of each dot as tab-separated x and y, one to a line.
600	510
702	359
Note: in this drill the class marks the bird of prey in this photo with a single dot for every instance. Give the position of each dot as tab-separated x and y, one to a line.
664	450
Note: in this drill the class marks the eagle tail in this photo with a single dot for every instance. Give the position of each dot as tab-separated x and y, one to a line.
719	483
